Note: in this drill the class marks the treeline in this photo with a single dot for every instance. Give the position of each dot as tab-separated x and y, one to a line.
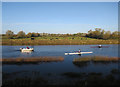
102	34
21	34
97	34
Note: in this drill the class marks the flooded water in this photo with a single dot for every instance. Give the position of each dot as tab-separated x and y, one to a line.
58	50
57	68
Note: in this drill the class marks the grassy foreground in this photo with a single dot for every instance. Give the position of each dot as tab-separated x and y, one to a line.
72	79
57	41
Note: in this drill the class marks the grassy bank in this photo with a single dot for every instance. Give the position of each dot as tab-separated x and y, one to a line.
30	60
56	41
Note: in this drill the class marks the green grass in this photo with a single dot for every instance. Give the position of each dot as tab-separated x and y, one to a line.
56	41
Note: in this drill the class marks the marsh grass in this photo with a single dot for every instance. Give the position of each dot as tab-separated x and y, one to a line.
25	82
30	60
97	59
74	74
57	41
74	79
115	71
85	61
105	59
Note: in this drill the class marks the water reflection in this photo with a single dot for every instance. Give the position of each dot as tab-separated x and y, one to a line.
59	50
51	73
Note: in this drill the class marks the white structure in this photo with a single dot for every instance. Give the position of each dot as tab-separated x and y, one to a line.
26	49
77	53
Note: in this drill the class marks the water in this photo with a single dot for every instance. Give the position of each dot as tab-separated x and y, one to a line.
58	50
56	68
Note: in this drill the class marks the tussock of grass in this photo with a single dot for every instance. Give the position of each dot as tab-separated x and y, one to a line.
31	60
105	59
97	59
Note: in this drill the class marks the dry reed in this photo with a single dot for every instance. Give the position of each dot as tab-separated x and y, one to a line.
97	59
31	60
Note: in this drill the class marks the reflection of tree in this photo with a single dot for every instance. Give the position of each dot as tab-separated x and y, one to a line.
81	64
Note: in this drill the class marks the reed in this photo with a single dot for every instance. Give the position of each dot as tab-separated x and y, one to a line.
83	59
97	59
74	74
75	79
30	60
25	82
105	59
115	71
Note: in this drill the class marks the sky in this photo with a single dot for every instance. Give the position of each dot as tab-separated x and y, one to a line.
59	17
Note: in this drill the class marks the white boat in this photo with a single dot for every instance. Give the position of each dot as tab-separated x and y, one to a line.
26	49
77	53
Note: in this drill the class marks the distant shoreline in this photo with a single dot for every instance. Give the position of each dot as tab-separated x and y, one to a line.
57	45
22	42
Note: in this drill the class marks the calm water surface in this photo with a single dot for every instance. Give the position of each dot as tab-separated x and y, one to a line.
58	50
57	68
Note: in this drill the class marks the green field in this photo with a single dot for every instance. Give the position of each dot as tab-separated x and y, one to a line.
47	40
